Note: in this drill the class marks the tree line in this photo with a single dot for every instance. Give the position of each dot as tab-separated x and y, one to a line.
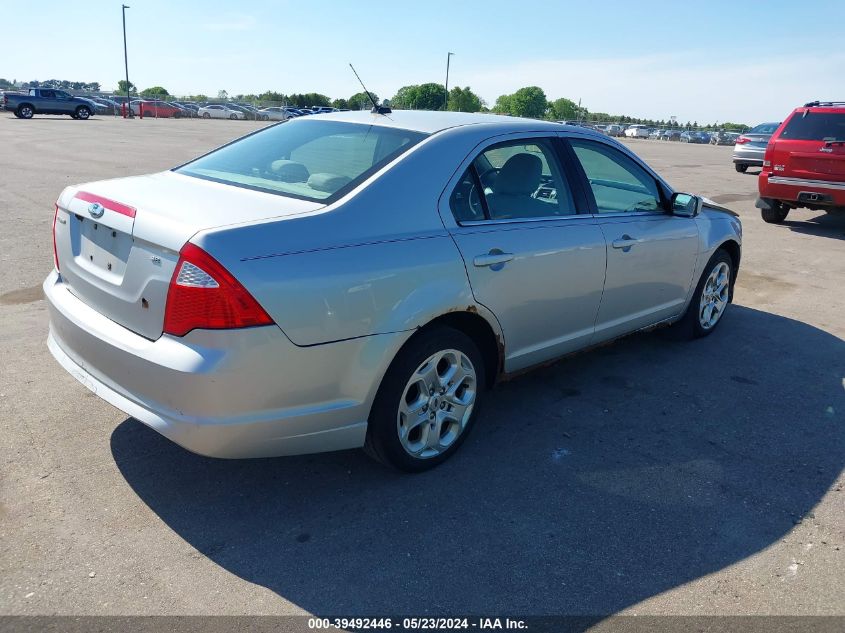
530	102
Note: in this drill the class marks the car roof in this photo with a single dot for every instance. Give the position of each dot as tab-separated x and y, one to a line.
430	122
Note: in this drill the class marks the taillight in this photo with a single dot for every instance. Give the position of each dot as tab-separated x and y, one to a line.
742	140
204	295
55	250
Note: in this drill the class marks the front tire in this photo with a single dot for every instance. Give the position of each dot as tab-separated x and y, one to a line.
775	214
206	115
711	298
427	402
82	113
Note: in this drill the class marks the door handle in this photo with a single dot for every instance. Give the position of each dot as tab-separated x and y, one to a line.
495	258
625	242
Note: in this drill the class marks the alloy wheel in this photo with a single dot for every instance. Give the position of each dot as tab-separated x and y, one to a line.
436	404
714	296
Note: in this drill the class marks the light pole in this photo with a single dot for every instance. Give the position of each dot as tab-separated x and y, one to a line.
126	62
446	101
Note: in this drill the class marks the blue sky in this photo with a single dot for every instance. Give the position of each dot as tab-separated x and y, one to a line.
706	61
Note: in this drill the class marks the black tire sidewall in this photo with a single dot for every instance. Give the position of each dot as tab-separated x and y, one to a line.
382	436
26	116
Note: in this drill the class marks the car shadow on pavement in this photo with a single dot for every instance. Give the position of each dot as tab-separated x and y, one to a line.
586	487
824	225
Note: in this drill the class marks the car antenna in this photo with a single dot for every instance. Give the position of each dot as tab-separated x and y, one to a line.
377	109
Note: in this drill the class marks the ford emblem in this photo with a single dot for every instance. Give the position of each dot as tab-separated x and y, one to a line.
96	209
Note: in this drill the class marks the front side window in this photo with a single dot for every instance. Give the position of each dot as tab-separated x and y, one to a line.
317	160
618	184
512	181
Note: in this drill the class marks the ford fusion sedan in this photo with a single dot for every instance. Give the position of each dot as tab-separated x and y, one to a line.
362	280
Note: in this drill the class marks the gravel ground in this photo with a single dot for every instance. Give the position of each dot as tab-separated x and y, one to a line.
647	477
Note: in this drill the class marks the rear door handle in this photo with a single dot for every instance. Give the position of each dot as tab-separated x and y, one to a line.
625	242
494	258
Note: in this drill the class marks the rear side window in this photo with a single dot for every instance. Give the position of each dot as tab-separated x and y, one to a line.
515	180
317	160
815	126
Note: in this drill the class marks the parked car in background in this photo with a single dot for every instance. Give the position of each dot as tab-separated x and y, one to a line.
804	163
111	107
274	271
614	130
217	111
47	101
671	135
723	137
189	109
637	131
750	146
693	136
257	115
655	134
155	109
276	114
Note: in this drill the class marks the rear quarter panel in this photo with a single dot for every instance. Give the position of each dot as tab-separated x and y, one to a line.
377	261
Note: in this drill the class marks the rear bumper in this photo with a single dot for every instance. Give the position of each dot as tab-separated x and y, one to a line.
802	192
229	393
749	156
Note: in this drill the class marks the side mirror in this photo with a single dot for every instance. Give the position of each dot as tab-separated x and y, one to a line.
685	205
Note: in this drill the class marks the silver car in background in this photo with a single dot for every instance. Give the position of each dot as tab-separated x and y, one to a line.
360	280
750	147
218	111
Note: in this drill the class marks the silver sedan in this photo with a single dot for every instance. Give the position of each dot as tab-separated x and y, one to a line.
361	280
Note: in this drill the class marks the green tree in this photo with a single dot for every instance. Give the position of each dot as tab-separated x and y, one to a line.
340	104
271	95
563	110
309	99
464	100
360	101
529	102
503	104
122	86
155	91
429	96
404	98
222	94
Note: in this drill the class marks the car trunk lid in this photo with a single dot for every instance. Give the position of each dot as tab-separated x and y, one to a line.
118	241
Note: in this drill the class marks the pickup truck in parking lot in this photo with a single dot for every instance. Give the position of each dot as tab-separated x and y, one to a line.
47	101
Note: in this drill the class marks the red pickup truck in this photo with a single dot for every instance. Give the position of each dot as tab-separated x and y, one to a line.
804	163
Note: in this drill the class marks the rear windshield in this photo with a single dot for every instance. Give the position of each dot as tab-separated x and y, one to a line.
312	160
815	126
764	128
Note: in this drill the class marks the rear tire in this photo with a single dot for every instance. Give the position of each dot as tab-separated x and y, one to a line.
776	214
25	111
710	300
414	430
741	168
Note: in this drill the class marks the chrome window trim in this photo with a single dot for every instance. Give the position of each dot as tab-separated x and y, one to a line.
557	218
